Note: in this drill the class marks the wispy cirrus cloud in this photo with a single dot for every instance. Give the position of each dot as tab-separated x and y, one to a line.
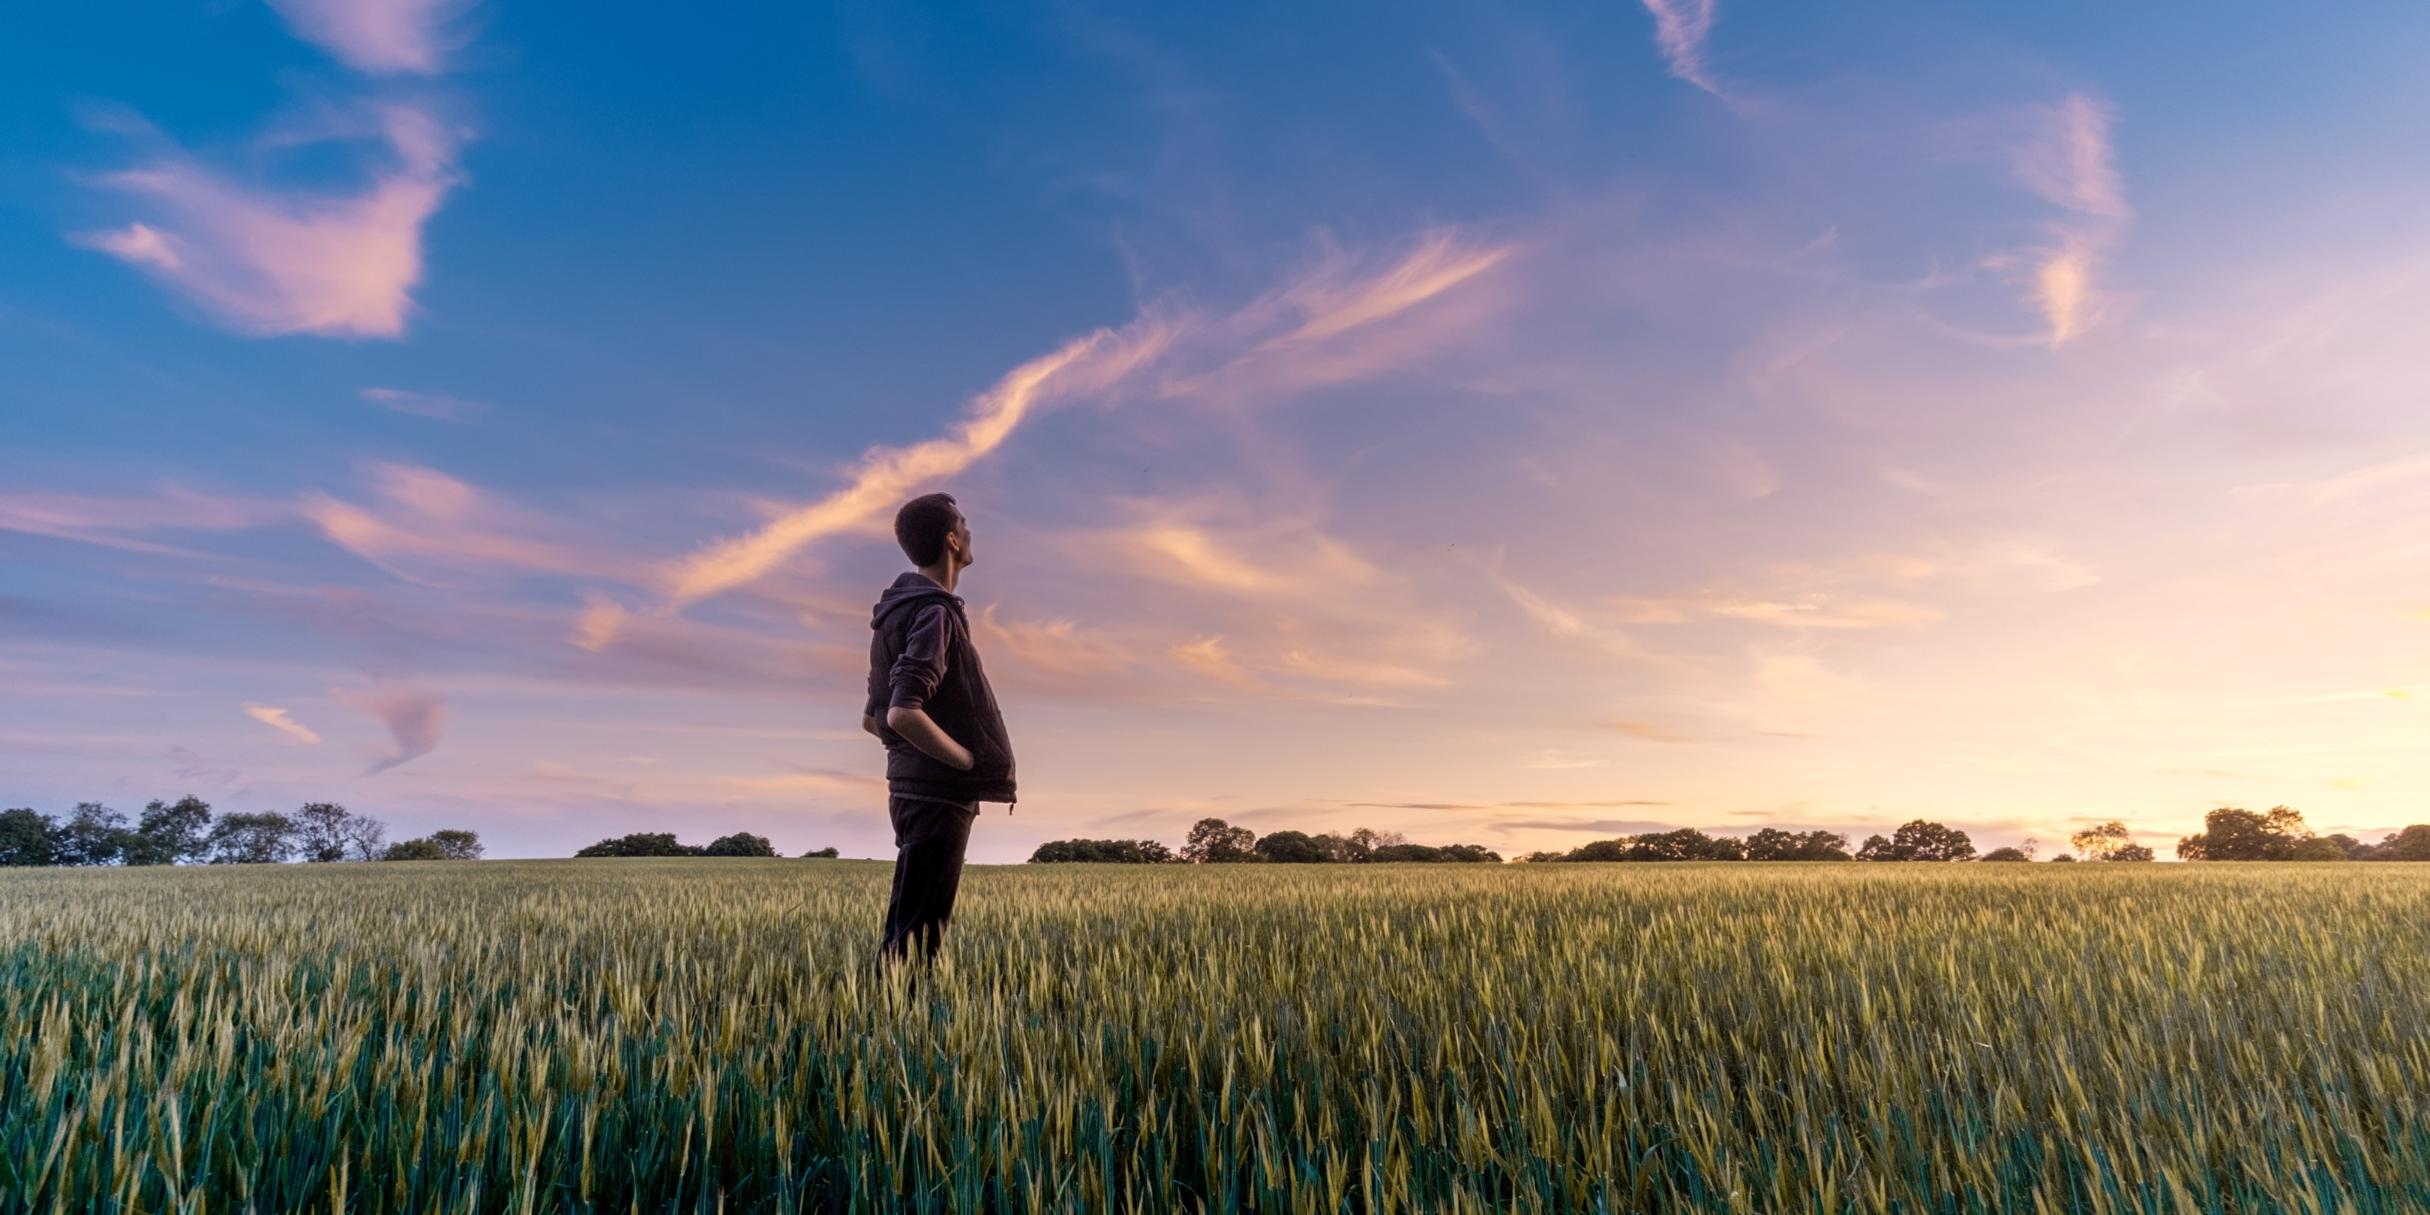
277	719
415	718
268	259
437	406
1317	329
1680	30
380	37
428	527
2067	160
116	521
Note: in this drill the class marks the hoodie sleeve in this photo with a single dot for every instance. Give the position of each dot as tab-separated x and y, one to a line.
921	666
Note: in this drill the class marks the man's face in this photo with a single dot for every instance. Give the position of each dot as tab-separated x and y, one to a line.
961	533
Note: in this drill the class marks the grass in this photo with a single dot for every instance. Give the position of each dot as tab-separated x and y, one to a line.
706	1035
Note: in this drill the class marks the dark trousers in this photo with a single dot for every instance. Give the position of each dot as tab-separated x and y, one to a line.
929	839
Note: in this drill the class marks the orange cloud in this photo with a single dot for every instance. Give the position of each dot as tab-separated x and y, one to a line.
2068	161
277	719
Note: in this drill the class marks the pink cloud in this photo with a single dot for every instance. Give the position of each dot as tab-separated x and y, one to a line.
2067	160
267	260
415	719
1680	28
426	526
379	37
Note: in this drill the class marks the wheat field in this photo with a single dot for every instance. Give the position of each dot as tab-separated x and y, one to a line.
708	1035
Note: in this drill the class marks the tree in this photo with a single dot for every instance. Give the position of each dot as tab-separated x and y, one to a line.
2410	844
1105	852
1215	842
1290	847
94	835
456	844
320	831
827	853
1599	850
2096	843
1683	844
741	843
452	844
2063	858
2318	848
2129	852
640	843
1919	840
1774	844
2231	834
168	834
253	839
29	837
366	837
2006	854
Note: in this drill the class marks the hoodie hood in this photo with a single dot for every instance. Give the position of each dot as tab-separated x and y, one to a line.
910	587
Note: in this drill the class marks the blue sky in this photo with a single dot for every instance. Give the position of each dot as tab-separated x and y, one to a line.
1509	424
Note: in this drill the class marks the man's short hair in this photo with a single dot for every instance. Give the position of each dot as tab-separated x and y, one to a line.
922	525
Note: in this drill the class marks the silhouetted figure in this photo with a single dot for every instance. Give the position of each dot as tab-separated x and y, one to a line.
946	749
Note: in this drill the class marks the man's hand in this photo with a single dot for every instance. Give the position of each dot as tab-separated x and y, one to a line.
924	733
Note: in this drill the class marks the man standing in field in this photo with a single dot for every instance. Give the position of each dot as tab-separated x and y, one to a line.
946	750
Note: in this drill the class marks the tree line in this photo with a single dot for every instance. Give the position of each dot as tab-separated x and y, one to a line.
664	843
186	831
1213	841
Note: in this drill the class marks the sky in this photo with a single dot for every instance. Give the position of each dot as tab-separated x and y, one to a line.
1509	424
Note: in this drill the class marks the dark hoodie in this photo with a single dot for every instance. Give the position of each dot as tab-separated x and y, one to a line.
920	657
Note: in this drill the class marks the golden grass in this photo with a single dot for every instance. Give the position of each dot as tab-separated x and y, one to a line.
706	1035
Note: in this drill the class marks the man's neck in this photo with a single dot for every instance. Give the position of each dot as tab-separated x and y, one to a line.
944	575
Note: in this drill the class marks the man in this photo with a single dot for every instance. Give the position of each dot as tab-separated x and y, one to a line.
946	750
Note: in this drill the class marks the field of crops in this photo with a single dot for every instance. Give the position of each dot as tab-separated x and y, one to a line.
705	1035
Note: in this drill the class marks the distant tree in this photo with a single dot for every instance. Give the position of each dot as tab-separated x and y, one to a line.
244	838
2318	848
2006	854
640	843
1684	844
457	844
2351	848
2030	847
320	831
1214	842
1774	844
1600	850
1359	845
2129	852
1444	854
169	833
827	853
1290	847
1111	852
29	837
367	838
741	843
2063	858
2231	834
2410	844
452	844
1919	840
93	835
2096	843
1539	857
